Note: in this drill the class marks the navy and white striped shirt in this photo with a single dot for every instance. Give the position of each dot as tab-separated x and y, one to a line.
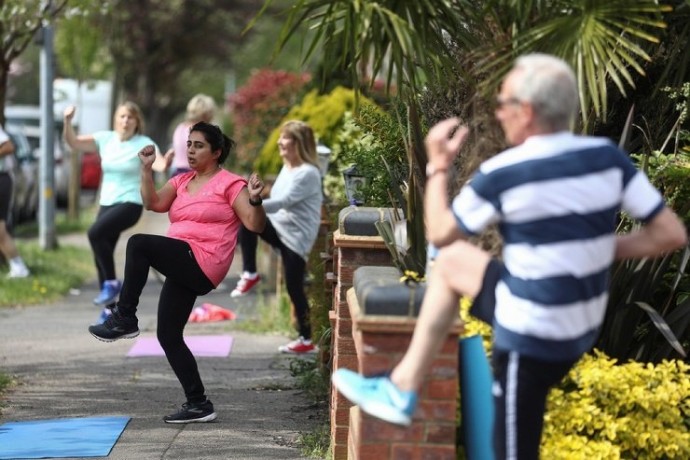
555	198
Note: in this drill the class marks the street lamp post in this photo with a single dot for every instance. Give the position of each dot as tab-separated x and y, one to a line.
46	205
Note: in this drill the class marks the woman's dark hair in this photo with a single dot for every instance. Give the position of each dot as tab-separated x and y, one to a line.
216	138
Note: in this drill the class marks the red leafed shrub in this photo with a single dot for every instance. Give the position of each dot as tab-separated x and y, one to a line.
258	107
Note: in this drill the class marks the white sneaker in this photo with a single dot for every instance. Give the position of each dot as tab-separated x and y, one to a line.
19	273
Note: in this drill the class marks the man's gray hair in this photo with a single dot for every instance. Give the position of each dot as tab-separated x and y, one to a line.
548	83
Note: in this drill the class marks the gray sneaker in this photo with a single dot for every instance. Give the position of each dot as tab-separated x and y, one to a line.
192	413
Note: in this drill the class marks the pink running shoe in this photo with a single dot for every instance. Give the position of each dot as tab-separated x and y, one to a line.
298	347
245	284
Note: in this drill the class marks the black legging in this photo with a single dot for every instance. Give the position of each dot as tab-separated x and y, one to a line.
104	233
5	195
184	281
294	267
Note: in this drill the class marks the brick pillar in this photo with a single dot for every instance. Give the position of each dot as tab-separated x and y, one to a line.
380	342
355	243
372	320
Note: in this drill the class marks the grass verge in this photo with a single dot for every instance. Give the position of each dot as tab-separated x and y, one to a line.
273	317
5	381
53	274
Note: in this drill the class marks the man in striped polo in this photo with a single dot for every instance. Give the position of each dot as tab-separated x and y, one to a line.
555	197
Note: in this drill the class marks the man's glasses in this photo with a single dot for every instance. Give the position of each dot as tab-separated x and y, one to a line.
500	103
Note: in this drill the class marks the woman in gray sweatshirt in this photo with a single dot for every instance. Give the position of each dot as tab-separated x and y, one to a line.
294	216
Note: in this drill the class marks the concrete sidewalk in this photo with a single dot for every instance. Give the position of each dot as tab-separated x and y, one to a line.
64	372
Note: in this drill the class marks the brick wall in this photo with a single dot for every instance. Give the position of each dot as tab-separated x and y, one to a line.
375	343
349	253
380	342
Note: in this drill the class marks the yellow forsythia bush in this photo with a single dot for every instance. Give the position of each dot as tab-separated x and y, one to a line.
606	410
473	326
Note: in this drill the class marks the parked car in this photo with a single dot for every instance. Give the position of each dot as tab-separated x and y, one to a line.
27	118
91	172
23	166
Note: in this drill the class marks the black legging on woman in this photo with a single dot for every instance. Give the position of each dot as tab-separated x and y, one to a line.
294	268
184	281
104	233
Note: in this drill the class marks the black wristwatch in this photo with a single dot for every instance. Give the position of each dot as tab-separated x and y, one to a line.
257	202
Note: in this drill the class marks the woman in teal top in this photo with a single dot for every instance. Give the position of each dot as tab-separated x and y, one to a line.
120	205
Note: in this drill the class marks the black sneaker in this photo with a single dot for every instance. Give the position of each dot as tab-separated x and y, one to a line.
192	413
115	327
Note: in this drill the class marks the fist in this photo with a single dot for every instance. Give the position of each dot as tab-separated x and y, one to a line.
147	151
69	112
147	155
255	186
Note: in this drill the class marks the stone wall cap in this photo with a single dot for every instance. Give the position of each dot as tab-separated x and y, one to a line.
379	291
360	220
388	324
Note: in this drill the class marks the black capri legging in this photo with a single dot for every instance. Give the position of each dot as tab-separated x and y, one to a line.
184	281
105	232
5	195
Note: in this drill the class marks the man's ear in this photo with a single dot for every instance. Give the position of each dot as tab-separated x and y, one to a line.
528	115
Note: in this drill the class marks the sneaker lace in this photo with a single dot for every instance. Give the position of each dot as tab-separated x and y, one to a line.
111	321
116	319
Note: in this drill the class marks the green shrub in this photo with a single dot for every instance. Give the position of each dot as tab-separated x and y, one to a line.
670	174
378	149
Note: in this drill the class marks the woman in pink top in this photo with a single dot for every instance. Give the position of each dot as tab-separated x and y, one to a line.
206	206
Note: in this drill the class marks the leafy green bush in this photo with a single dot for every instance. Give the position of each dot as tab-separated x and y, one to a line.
379	152
670	174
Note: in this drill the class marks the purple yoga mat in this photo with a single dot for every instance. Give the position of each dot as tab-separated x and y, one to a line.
200	345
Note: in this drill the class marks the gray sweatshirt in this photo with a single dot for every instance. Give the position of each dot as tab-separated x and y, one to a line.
294	207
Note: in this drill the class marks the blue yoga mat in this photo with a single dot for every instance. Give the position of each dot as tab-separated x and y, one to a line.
59	438
476	399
